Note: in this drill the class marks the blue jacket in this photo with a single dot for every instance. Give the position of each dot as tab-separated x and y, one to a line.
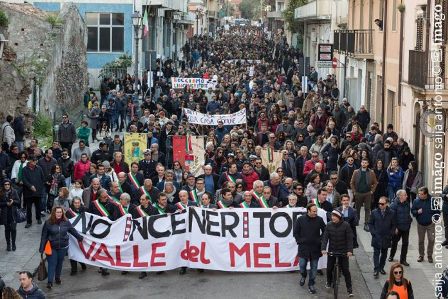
403	217
425	218
382	228
395	178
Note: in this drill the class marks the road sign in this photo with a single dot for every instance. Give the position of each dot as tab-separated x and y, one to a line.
324	64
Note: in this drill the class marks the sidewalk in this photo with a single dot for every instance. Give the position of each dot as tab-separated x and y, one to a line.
25	258
421	275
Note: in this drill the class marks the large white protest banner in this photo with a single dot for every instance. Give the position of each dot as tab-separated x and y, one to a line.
194	83
247	240
236	118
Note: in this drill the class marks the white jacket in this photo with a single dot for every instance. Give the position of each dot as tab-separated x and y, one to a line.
7	133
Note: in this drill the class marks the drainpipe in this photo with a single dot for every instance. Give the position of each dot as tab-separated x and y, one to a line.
383	71
400	59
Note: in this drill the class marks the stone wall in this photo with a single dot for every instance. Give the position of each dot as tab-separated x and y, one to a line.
44	66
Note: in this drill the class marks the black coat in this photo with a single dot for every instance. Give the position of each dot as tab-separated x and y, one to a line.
33	177
308	234
339	236
8	214
402	212
382	228
57	234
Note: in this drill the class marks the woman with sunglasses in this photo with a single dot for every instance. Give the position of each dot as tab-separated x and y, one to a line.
397	283
9	203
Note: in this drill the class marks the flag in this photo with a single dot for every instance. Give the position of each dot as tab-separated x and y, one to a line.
145	23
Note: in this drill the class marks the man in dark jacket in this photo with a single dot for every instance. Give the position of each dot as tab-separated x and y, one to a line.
308	231
19	132
339	237
28	289
423	212
66	133
382	228
402	210
33	188
278	189
101	154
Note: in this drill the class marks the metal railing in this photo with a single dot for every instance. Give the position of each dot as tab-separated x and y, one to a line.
354	42
421	71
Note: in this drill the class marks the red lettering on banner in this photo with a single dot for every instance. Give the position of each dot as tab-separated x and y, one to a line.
233	249
296	261
155	255
88	253
191	253
258	255
137	263
118	254
106	257
204	260
277	258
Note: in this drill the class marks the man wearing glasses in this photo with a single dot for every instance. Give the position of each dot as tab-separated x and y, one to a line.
382	228
66	133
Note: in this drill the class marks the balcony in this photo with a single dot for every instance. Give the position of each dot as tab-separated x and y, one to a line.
355	43
275	14
315	10
421	73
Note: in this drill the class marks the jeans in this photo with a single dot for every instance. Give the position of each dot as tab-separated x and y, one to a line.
68	182
313	269
391	193
55	262
29	204
404	244
379	258
20	145
343	265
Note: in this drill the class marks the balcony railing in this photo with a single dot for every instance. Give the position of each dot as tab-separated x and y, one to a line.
357	43
421	72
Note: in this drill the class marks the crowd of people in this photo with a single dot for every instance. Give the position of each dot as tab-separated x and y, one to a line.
333	158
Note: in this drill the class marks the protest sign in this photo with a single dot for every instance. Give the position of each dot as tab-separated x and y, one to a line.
194	83
247	240
236	118
189	151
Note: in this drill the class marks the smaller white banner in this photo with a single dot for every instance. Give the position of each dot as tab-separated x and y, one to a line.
236	118
194	83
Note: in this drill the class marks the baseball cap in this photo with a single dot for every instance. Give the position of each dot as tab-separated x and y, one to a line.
337	213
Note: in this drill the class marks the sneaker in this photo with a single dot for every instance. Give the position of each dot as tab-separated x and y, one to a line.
350	293
376	274
328	285
302	281
420	259
391	259
58	281
312	289
49	285
383	272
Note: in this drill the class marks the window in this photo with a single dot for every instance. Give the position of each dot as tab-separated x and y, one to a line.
419	37
394	15
105	32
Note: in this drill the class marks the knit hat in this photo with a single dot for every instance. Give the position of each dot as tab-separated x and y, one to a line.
336	213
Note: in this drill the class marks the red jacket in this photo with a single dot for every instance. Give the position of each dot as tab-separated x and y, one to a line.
81	169
309	166
249	179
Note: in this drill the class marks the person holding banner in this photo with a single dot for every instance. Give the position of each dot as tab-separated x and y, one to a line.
248	202
55	231
205	201
308	231
75	210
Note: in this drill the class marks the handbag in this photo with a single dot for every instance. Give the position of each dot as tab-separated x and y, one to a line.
20	215
42	269
48	250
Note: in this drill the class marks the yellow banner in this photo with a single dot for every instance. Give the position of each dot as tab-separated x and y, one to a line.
134	146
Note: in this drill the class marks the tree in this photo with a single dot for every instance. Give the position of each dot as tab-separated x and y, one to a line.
288	14
249	8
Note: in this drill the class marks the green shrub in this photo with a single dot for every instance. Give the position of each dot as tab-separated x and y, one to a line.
3	19
54	20
43	126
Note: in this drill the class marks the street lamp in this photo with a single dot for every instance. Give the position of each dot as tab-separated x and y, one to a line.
137	23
